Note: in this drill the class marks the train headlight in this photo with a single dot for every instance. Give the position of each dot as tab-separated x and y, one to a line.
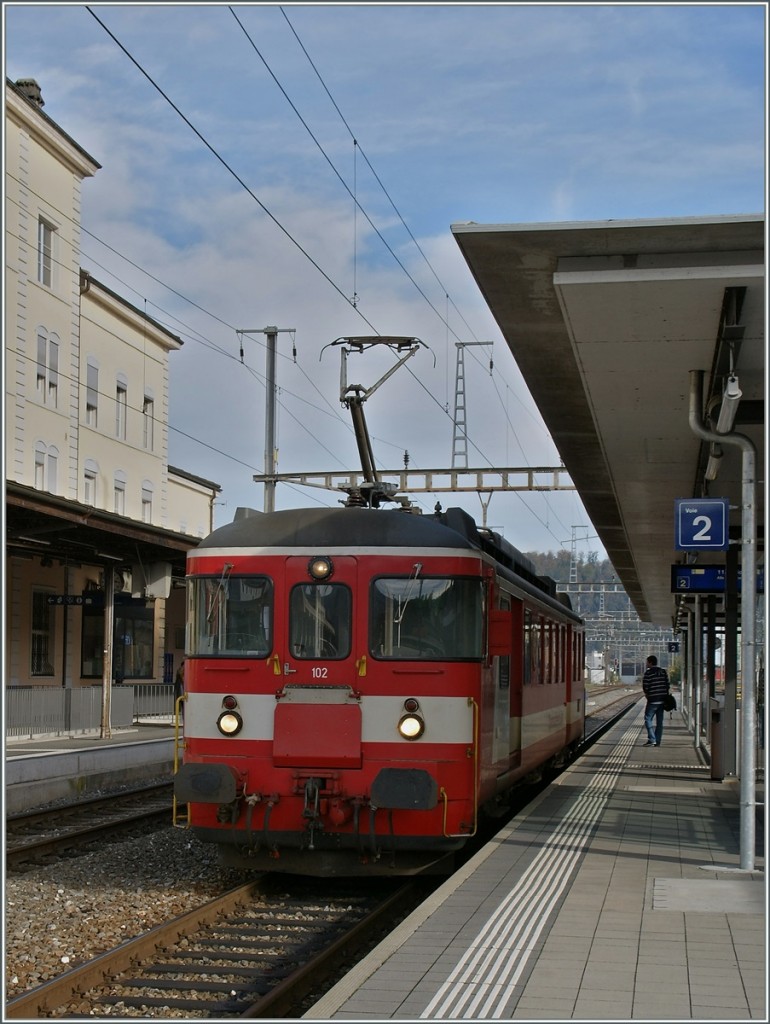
320	568
411	727
229	723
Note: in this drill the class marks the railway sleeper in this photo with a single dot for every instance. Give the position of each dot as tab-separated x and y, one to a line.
229	1007
192	985
185	962
223	971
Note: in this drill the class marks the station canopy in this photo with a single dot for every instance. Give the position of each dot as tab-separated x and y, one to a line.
606	320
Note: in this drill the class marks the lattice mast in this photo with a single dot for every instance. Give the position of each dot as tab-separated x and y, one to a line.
460	439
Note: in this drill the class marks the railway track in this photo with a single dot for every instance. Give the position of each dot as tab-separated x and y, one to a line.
253	952
37	834
604	705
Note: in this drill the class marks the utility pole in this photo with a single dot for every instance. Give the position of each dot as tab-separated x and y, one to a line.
460	439
271	334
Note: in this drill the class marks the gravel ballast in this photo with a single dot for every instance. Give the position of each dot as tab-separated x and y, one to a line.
63	914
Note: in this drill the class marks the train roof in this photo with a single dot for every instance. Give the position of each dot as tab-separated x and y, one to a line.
319	528
336	527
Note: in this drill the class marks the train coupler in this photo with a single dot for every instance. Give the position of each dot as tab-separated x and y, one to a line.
312	809
228	814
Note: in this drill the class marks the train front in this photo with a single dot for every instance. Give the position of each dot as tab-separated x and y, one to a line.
332	681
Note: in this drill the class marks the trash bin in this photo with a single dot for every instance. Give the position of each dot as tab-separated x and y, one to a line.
717	738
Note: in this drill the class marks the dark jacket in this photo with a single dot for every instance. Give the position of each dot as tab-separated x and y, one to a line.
655	684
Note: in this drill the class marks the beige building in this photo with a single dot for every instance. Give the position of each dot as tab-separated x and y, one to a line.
97	524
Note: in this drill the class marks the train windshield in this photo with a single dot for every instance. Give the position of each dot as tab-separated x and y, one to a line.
319	620
426	619
230	616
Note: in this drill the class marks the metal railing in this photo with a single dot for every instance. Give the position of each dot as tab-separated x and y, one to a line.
32	711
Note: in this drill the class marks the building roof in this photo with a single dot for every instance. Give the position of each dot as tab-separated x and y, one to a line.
606	320
183	473
22	94
88	281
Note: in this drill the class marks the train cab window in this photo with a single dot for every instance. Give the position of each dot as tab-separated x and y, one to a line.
426	618
230	616
320	621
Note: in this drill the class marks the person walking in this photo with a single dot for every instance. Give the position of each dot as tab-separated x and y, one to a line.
655	685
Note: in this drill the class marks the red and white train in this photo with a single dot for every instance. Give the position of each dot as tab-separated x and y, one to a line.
363	685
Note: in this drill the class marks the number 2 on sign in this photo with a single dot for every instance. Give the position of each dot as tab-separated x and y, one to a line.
705	532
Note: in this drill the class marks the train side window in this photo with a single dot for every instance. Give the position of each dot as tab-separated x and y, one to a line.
230	616
423	618
320	621
536	649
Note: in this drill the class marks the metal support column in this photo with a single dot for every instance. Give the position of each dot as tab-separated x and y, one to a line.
109	631
697	672
730	663
271	391
748	737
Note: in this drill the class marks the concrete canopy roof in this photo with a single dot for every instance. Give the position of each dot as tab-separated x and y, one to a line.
605	321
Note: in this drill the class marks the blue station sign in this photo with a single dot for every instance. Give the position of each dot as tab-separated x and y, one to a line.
706	579
702	524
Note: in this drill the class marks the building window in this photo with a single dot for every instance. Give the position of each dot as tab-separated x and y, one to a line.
121	408
148	415
43	624
46	463
147	502
45	252
47	368
53	462
40	457
132	653
120	493
92	393
90	477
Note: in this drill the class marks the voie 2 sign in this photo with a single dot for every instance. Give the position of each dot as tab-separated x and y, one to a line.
702	524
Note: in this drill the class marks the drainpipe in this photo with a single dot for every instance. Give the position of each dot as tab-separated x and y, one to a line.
211	511
748	613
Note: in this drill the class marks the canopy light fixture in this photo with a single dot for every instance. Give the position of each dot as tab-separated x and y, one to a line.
727	413
730	400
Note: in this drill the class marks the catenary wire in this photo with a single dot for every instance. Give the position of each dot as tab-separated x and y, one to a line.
231	171
257	200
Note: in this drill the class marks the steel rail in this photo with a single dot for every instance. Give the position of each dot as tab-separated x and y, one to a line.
44	999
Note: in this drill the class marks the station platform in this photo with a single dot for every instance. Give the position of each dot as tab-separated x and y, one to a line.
24	746
44	770
617	895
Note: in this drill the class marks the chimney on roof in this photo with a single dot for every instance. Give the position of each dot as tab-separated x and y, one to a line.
30	88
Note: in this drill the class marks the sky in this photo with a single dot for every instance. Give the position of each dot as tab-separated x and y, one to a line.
300	166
